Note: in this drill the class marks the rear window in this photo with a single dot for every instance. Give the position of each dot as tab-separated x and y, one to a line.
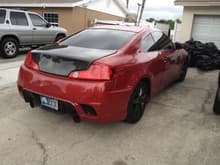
100	39
2	16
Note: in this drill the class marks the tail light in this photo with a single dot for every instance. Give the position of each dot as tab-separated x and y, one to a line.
95	72
30	63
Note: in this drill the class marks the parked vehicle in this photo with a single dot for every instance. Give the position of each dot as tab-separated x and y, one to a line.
102	74
216	108
23	28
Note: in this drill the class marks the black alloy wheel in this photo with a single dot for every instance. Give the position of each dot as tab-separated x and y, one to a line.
137	103
183	71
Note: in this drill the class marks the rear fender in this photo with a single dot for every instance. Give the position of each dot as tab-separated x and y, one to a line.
137	77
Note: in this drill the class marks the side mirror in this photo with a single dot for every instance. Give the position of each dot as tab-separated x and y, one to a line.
48	25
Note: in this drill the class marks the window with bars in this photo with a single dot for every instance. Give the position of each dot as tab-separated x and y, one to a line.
52	18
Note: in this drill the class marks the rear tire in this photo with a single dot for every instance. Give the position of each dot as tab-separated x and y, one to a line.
216	108
9	47
184	70
137	103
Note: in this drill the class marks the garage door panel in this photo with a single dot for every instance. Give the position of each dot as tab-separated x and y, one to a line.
201	20
207	29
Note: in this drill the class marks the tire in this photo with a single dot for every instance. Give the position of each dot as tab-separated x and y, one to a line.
9	47
59	37
183	71
137	103
216	108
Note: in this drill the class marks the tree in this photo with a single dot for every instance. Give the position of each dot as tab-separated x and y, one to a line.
170	22
178	20
150	20
164	21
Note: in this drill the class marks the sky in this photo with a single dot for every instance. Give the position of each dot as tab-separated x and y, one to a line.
158	9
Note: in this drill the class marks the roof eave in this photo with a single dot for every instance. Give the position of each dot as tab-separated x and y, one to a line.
45	4
36	5
197	4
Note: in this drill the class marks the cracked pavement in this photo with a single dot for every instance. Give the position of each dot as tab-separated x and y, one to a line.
178	127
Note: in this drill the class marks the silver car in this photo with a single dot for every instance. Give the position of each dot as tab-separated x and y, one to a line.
23	28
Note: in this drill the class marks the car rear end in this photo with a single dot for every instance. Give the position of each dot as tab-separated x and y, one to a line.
73	79
89	94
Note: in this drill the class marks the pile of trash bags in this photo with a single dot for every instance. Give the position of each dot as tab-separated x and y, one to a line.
204	56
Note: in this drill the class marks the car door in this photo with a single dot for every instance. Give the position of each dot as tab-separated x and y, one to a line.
19	26
4	26
154	63
42	33
169	56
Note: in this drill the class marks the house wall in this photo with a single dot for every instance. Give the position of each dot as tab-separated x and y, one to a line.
83	17
188	16
75	19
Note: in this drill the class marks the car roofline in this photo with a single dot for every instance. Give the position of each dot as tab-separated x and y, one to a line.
18	10
135	29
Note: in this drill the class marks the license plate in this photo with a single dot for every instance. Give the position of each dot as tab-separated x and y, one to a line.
49	102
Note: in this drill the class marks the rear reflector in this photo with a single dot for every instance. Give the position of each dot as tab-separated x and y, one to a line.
30	63
95	72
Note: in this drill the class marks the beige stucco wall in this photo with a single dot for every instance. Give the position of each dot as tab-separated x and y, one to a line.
188	16
83	18
75	19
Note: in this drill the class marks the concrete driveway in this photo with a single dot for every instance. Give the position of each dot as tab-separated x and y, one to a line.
178	128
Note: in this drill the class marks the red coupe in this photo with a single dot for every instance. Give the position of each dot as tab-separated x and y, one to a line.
102	74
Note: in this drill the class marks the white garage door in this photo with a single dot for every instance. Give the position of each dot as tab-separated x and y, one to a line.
207	29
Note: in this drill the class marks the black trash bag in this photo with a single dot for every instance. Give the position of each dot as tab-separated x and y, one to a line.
204	56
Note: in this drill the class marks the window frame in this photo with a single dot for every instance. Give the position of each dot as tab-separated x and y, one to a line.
52	23
4	16
156	47
10	15
142	41
29	14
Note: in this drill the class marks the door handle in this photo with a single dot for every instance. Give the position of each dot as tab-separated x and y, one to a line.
34	28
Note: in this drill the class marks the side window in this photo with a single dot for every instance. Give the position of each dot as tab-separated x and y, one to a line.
2	16
162	42
147	43
18	18
37	20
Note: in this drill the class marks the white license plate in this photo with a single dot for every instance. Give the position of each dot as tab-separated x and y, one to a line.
49	102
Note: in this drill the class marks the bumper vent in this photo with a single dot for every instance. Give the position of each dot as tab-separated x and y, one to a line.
88	110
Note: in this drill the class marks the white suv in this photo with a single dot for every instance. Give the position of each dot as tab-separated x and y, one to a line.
23	28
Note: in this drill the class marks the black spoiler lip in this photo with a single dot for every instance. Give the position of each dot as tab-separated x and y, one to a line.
72	52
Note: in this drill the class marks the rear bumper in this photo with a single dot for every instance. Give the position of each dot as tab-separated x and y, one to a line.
109	104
